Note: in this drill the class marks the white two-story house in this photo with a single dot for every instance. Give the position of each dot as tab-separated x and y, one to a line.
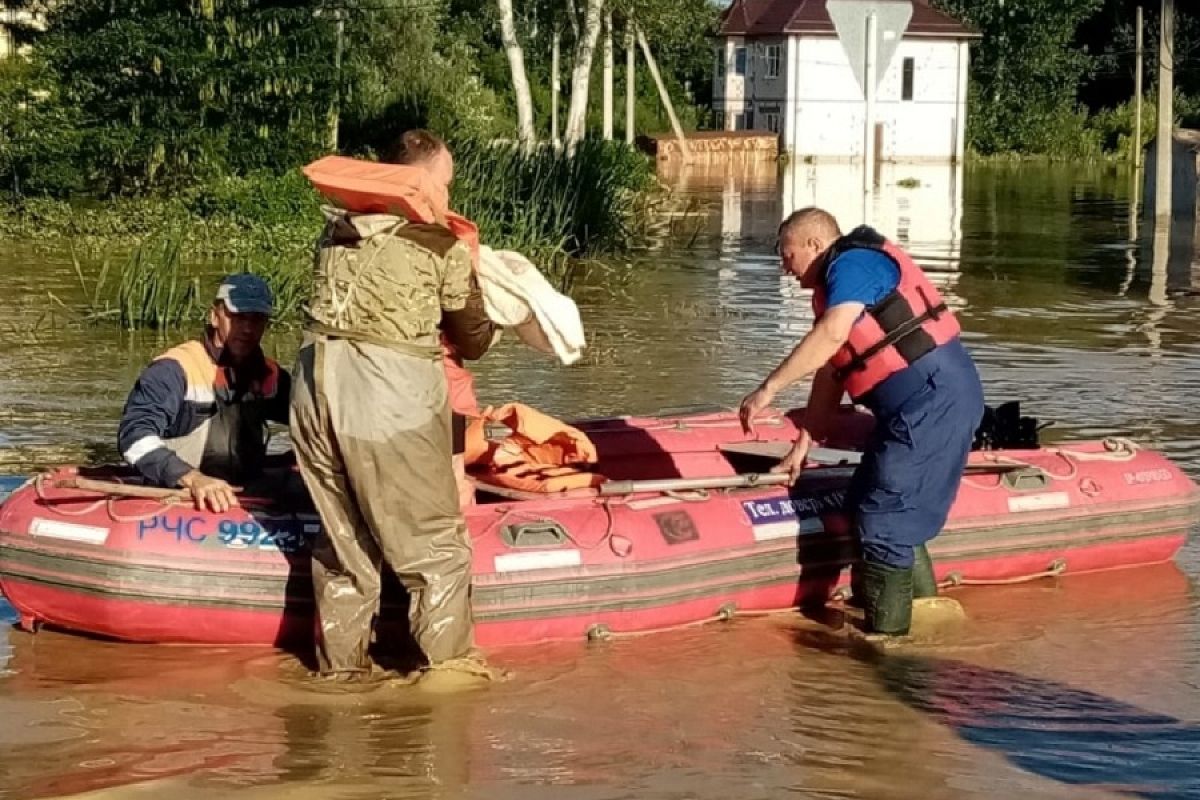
780	67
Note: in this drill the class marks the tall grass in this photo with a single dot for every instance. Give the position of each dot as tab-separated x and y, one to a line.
155	291
549	205
151	288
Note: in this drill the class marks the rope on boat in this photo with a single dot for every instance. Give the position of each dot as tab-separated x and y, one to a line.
601	632
111	503
956	579
1116	448
106	502
39	480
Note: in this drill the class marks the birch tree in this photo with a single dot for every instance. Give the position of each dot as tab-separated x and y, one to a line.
585	49
520	81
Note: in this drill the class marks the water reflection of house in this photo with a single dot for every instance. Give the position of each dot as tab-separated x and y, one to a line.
780	67
734	201
917	205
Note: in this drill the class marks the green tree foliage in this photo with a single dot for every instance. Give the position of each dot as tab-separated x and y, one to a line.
1055	77
172	90
1026	72
40	139
408	66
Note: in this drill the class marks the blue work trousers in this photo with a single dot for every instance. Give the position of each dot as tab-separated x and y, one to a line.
926	418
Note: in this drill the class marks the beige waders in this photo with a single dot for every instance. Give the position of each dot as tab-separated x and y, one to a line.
371	430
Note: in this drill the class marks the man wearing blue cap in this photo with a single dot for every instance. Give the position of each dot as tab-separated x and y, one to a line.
196	418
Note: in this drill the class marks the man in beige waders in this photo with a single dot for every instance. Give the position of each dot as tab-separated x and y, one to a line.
370	423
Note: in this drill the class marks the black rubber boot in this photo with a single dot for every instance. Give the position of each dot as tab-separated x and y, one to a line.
888	598
924	584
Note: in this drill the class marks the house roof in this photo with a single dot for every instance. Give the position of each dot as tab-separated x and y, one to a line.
809	17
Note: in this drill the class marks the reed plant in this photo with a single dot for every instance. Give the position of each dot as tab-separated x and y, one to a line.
155	291
551	206
150	288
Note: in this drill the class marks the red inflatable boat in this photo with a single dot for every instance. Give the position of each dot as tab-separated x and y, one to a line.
684	530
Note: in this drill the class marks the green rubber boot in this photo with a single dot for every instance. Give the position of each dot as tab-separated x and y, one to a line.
888	598
924	583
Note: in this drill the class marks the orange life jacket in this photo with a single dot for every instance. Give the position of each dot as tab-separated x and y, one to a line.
368	187
540	454
896	331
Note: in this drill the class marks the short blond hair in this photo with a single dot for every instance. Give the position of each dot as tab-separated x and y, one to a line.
416	147
816	220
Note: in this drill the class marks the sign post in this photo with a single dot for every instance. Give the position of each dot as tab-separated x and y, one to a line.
869	155
870	31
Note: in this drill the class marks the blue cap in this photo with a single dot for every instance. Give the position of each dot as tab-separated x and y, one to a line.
246	294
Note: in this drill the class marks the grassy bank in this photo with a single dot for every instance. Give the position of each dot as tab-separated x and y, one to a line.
153	261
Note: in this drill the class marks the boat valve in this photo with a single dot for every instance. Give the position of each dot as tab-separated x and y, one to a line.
599	632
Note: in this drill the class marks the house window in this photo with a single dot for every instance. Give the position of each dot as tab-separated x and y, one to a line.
739	61
720	62
772	61
906	79
739	122
719	120
771	121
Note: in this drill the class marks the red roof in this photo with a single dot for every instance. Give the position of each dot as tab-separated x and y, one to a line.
808	17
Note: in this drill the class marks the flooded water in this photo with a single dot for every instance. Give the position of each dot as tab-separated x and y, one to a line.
1084	687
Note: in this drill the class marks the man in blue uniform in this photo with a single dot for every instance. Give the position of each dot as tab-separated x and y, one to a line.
196	418
884	335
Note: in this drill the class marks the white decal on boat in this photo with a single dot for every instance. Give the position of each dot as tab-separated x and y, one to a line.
788	529
71	531
787	518
538	559
1039	502
1140	477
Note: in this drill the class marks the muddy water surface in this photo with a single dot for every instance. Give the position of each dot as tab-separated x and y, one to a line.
1086	687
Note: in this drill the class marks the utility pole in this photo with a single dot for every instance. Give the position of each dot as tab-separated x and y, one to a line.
665	96
1163	174
1137	97
868	183
1135	202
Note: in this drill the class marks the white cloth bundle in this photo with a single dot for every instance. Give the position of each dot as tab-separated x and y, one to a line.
513	290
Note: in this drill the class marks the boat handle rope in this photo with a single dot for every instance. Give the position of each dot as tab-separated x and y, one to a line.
39	480
111	503
108	503
1116	448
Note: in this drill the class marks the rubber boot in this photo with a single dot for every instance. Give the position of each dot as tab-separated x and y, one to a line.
888	596
924	583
